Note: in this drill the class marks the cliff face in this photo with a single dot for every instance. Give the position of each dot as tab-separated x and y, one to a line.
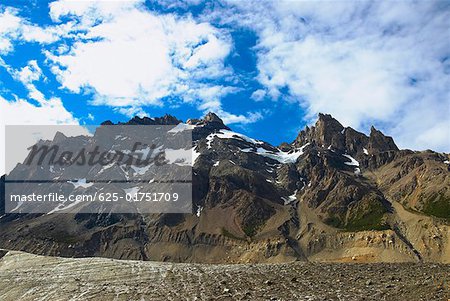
331	194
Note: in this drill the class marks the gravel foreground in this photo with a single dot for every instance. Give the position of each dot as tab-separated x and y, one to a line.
25	276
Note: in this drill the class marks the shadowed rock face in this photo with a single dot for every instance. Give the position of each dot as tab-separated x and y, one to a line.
327	131
333	193
379	142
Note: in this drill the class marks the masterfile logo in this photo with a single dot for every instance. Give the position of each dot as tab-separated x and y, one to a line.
115	169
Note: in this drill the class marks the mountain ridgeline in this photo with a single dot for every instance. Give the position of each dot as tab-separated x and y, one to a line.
333	194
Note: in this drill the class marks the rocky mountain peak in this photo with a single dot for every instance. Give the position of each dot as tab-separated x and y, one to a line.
327	127
378	142
212	117
167	119
327	131
328	121
59	137
207	125
136	120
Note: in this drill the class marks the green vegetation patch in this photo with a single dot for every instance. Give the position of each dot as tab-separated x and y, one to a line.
438	206
369	217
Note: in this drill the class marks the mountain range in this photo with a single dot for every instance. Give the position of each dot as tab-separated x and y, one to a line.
332	194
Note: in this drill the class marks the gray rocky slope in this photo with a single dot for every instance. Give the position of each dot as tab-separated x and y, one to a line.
26	277
333	194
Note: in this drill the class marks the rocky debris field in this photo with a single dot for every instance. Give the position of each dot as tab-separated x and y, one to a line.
25	276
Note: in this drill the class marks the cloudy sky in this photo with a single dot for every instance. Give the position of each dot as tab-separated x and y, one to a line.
266	67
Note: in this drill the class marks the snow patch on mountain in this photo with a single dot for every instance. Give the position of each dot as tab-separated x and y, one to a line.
199	210
17	206
181	157
132	191
80	183
352	162
290	199
106	167
195	155
181	127
226	134
279	155
140	170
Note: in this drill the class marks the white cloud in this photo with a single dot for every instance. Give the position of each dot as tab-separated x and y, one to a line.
21	112
258	95
30	73
13	27
366	62
9	22
130	57
229	118
131	111
27	75
124	55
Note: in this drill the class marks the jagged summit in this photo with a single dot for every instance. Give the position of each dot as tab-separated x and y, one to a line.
167	119
210	118
208	124
324	132
59	137
330	133
327	132
379	142
210	121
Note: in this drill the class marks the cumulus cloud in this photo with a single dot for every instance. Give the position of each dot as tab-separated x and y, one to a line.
31	72
27	75
211	103
13	27
9	23
131	111
21	112
365	62
130	57
125	56
229	118
258	95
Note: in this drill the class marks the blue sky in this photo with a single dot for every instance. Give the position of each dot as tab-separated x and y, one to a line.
266	67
